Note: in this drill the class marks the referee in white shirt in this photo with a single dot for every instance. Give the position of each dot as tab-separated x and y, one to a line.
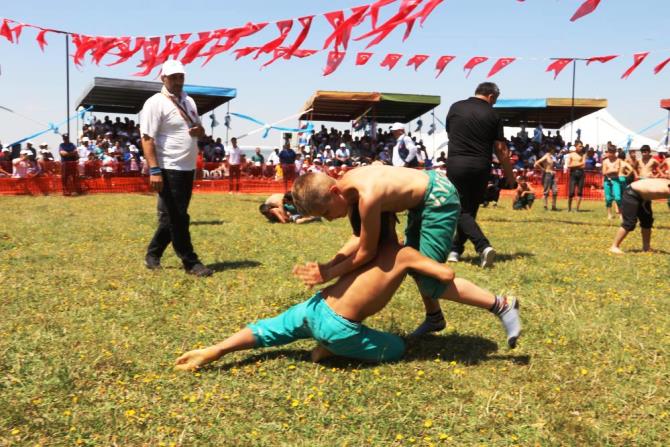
404	151
170	127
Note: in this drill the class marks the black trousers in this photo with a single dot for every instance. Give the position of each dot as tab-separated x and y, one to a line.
173	218
470	181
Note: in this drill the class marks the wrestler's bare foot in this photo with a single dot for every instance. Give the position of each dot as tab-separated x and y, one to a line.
320	353
195	359
616	250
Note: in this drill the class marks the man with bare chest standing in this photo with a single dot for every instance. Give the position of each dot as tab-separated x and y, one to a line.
170	128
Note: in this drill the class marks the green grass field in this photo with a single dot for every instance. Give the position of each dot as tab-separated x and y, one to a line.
88	336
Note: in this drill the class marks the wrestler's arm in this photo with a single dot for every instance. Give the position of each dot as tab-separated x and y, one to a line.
370	210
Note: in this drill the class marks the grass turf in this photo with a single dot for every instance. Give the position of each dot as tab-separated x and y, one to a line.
88	336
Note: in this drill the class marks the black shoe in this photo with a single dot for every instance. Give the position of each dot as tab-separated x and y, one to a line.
152	262
199	270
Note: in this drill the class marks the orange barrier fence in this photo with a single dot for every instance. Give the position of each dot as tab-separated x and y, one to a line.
72	177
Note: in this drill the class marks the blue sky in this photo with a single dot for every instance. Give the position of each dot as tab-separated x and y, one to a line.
33	83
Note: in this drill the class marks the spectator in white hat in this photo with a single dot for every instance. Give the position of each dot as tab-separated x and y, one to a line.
170	128
343	156
23	167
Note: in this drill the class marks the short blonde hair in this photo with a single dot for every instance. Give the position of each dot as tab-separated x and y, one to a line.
311	193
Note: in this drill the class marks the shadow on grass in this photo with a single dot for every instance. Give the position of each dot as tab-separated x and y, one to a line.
550	221
232	265
500	257
464	349
656	251
208	222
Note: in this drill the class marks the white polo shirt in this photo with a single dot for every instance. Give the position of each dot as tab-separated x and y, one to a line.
411	149
234	155
161	120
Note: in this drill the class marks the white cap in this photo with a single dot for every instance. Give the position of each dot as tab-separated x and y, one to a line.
328	146
25	152
132	148
397	126
343	145
85	139
6	149
44	144
573	149
662	150
30	142
172	66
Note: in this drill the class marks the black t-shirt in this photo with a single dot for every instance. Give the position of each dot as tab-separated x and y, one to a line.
473	126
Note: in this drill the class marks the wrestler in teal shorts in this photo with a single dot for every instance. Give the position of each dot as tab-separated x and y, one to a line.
612	189
431	227
315	319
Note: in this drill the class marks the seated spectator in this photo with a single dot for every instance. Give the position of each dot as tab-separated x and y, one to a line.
342	156
524	195
258	163
23	167
5	161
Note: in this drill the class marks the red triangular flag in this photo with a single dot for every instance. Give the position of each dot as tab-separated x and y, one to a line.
661	66
126	51
6	32
402	16
442	63
194	48
82	45
500	64
306	23
335	58
242	52
558	65
41	41
102	47
149	60
374	10
472	63
587	8
601	59
427	10
284	27
304	53
417	60
638	59
17	31
362	58
342	27
390	60
232	36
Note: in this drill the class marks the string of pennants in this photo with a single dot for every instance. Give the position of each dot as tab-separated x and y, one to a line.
556	66
189	47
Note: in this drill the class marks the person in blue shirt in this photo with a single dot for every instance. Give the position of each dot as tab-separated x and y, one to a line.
69	166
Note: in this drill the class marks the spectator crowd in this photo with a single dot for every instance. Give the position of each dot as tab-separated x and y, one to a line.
108	147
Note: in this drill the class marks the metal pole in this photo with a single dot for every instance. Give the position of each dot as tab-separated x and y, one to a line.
67	81
572	107
667	131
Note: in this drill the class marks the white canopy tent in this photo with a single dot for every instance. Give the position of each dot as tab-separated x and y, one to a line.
600	127
596	130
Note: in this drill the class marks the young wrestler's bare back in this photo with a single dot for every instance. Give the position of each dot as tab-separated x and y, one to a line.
652	188
391	188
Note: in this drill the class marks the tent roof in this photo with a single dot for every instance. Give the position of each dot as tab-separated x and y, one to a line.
552	113
126	96
384	107
665	104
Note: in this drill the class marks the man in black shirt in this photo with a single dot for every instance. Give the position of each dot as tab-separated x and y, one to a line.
475	130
